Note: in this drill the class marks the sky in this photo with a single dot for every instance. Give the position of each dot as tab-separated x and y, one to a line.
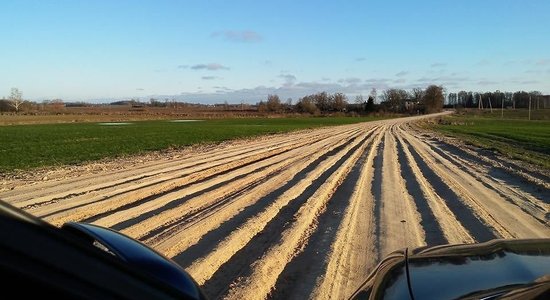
241	51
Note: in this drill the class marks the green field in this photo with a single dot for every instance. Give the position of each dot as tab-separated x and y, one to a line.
31	146
513	135
507	114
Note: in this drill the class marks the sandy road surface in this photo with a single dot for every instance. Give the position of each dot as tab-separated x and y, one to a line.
305	214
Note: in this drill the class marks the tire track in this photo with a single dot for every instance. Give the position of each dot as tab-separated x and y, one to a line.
400	225
178	238
522	200
104	203
487	157
248	241
428	220
351	257
465	214
507	220
209	241
451	227
142	228
264	271
301	275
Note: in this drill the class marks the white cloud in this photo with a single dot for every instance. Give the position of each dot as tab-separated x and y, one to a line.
210	77
289	79
350	80
246	36
402	73
209	67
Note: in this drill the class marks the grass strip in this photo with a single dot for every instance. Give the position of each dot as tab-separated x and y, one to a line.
25	147
516	138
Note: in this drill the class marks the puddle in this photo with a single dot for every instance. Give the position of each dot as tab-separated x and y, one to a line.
184	121
114	123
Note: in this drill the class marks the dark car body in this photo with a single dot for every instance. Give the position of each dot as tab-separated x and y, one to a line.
83	261
498	269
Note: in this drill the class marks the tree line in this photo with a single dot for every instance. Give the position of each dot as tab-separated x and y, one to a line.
518	99
318	103
416	101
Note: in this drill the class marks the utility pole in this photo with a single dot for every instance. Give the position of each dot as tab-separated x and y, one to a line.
529	107
490	105
480	103
502	109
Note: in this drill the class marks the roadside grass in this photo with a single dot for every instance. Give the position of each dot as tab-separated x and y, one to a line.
506	114
24	147
513	135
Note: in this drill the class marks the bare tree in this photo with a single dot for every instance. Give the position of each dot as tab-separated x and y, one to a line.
417	94
15	99
359	100
273	103
395	99
287	106
433	98
373	94
322	101
509	99
453	99
536	95
339	102
462	97
307	105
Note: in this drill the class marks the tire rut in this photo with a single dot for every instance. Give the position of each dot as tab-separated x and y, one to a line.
478	230
506	219
434	233
239	264
209	241
300	276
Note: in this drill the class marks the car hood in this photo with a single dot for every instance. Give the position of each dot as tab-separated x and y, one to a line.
484	270
516	269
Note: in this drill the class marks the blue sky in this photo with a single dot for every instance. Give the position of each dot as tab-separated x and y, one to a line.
212	51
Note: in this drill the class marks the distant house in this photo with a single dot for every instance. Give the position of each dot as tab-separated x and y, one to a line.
410	104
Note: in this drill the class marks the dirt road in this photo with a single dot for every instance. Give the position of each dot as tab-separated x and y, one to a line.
306	214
